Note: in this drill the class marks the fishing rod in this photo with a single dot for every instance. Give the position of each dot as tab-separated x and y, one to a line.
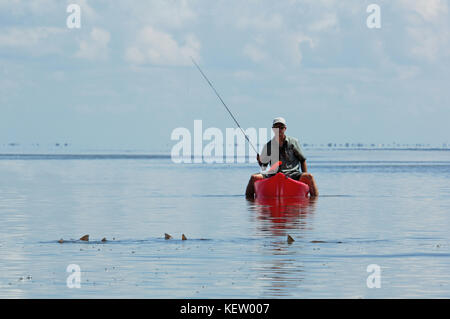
215	91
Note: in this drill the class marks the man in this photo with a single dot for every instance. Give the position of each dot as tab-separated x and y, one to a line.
287	150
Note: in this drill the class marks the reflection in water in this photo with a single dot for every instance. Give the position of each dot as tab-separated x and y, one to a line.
281	214
281	268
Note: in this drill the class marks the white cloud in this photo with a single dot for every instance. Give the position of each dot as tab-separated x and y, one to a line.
160	48
96	47
26	37
255	53
44	7
293	47
427	9
428	28
167	14
428	44
280	51
21	7
86	10
328	21
37	41
261	22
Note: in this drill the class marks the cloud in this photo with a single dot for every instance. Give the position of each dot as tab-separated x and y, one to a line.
428	44
427	9
255	53
328	21
96	47
44	7
26	37
261	22
293	46
35	41
167	14
35	7
428	28
159	48
280	51
86	10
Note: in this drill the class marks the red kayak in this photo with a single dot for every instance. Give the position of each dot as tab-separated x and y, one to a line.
280	186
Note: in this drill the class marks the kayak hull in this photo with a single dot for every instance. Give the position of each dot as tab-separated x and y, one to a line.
279	186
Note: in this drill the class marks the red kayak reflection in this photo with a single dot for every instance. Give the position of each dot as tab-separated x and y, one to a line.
281	214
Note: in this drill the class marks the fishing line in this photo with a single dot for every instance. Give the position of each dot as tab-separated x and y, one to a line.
215	91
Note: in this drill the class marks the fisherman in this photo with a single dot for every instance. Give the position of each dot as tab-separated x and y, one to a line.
287	150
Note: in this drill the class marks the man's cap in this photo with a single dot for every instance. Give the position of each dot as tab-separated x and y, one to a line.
278	120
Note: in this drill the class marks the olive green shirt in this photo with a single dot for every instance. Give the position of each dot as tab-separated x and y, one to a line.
290	154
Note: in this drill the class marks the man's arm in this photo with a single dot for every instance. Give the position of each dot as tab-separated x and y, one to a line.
303	166
298	152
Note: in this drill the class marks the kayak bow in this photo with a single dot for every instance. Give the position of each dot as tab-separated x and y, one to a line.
280	185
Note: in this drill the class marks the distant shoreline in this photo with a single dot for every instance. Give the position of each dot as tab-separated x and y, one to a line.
66	148
139	154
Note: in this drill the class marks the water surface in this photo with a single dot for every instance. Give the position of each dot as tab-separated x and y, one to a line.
389	208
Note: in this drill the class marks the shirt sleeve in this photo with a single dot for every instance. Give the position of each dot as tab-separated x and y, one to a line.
298	151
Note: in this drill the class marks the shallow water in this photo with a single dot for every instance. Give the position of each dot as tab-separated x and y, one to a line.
389	208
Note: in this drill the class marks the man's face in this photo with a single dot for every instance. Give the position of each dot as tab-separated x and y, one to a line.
279	130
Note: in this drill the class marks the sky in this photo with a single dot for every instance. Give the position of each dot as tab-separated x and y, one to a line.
124	79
